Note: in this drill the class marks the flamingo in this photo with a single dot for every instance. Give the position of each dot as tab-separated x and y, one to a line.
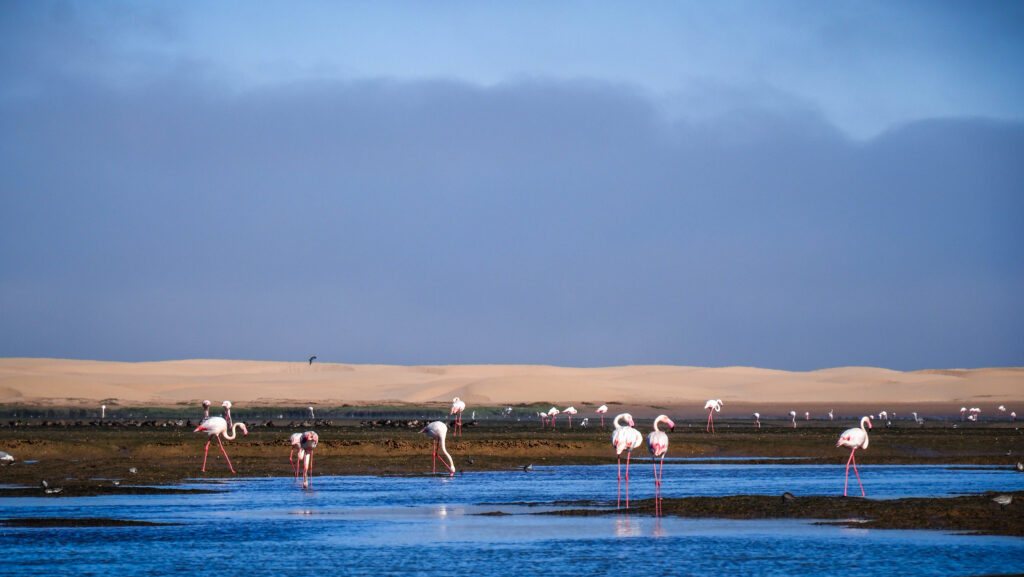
103	411
206	409
295	440
227	411
883	416
601	411
855	438
307	442
807	415
543	418
713	406
830	416
1013	416
457	407
215	427
570	411
918	420
311	416
1001	408
792	416
624	439
438	431
552	413
657	445
963	410
757	420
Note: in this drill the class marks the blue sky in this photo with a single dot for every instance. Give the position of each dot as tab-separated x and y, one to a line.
791	185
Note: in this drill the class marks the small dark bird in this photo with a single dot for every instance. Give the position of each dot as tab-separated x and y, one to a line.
788	497
311	359
469	459
528	468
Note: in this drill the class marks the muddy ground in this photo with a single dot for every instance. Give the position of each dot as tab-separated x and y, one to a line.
119	456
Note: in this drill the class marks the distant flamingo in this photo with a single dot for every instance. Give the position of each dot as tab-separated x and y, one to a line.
792	416
1001	408
757	420
601	411
883	416
307	443
855	438
311	416
438	431
103	411
543	418
624	439
457	407
713	406
570	411
1013	416
296	441
227	411
215	427
807	415
830	416
206	409
657	445
552	413
918	420
963	411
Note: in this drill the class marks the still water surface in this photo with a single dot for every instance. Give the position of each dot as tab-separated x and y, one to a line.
441	525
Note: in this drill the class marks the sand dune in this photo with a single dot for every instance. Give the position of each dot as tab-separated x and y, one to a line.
69	382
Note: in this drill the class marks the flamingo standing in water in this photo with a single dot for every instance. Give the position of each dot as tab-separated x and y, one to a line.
601	411
624	438
757	420
307	442
713	406
570	411
457	407
855	438
657	445
215	427
543	418
296	445
438	431
792	416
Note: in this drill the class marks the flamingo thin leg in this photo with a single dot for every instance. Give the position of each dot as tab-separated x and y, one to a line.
618	490
846	480
628	455
862	494
205	453
219	442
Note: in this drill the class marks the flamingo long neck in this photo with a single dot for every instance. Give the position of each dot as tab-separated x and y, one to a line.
234	431
451	463
616	421
660	419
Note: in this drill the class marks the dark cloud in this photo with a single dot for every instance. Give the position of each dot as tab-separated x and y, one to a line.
548	222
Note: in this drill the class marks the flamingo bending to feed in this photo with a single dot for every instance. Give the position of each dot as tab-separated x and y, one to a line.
457	407
438	431
713	406
624	438
552	413
657	445
601	411
215	427
757	420
855	438
296	441
307	442
570	411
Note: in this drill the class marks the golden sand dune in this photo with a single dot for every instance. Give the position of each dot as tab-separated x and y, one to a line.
63	381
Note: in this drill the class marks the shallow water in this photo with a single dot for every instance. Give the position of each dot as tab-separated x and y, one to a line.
434	525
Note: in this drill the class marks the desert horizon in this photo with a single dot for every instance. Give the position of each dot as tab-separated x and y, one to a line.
47	381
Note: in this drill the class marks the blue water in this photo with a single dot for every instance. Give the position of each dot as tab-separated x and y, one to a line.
434	526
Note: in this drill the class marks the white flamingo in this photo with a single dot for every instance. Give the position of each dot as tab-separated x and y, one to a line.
757	420
296	445
307	442
601	411
438	431
792	416
713	406
552	413
657	445
457	407
570	411
216	427
855	438
624	438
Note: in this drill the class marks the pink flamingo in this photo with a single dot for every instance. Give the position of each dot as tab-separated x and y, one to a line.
792	416
657	445
457	407
757	420
296	442
206	410
215	427
963	411
543	418
570	411
624	439
1013	416
227	411
307	442
713	406
807	415
830	415
438	431
601	411
552	413
855	438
